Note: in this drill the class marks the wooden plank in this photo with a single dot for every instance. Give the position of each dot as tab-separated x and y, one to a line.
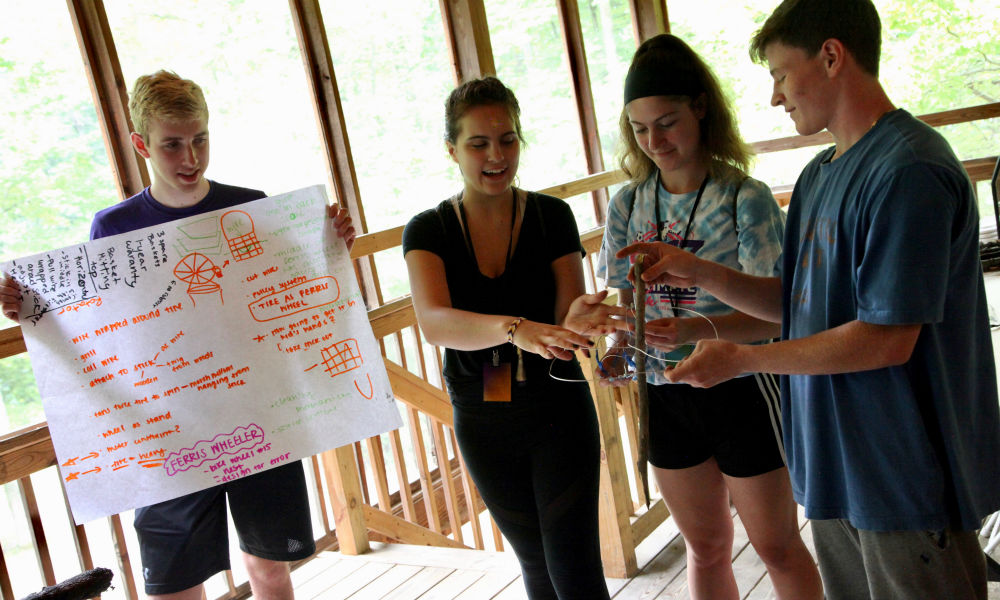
322	81
6	589
104	74
420	583
39	544
392	317
649	520
346	587
471	497
649	18
395	528
576	55
78	533
417	393
454	584
423	468
370	243
399	459
320	496
489	585
468	38
617	543
11	342
938	119
388	581
346	500
121	551
447	480
334	572
25	451
585	184
377	458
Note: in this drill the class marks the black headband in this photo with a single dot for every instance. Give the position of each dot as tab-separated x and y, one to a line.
650	80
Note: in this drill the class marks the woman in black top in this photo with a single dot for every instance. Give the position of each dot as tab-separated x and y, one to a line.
497	279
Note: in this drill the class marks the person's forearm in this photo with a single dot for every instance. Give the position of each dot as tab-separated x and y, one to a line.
736	327
756	296
852	347
462	329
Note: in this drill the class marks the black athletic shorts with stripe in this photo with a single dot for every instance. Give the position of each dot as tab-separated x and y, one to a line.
738	422
185	541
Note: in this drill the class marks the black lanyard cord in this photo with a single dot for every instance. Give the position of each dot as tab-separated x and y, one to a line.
673	292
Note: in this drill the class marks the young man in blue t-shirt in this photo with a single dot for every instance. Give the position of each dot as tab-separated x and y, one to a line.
889	397
184	541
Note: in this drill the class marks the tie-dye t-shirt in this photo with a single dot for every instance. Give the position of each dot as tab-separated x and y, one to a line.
750	243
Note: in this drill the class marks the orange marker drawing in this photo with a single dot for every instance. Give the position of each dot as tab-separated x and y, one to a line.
237	226
198	271
341	357
371	388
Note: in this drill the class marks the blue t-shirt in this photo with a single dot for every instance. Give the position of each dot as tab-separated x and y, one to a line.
888	234
750	241
142	210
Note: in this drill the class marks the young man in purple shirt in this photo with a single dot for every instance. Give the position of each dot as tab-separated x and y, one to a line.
184	541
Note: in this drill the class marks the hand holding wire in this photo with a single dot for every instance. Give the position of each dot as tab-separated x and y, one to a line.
664	264
711	363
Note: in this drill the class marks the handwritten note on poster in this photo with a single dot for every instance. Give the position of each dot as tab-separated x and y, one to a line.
177	357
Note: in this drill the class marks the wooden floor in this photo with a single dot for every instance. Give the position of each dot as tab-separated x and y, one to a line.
402	572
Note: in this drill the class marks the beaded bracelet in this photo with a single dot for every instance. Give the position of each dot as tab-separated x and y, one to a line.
512	328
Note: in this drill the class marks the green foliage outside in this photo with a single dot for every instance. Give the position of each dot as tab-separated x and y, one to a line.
393	71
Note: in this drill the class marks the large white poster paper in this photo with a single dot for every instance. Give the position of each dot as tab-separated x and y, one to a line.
180	356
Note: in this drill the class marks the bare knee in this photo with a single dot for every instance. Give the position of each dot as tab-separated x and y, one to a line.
269	579
707	546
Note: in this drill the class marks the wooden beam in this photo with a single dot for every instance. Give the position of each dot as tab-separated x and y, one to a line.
419	394
649	18
569	21
25	451
104	73
468	38
938	119
401	530
11	342
322	81
392	317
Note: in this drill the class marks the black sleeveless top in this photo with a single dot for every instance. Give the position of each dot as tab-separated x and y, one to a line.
525	289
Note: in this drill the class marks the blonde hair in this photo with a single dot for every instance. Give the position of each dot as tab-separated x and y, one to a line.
165	96
720	137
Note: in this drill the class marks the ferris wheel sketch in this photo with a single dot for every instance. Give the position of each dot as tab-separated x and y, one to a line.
238	228
199	272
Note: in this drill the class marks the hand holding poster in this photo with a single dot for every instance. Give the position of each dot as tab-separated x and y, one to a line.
176	357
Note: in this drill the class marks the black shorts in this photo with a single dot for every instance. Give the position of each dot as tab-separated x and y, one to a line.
738	422
185	541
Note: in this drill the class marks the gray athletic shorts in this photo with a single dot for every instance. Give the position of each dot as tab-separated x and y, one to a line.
185	541
888	565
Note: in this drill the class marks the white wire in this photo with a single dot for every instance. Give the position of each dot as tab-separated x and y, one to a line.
640	350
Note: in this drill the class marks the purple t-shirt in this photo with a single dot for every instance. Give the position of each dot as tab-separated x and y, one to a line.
142	210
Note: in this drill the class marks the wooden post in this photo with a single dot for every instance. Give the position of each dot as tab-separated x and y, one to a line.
468	38
315	49
615	503
110	93
569	20
345	497
649	18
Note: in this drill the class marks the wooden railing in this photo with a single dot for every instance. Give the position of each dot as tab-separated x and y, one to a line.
431	500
